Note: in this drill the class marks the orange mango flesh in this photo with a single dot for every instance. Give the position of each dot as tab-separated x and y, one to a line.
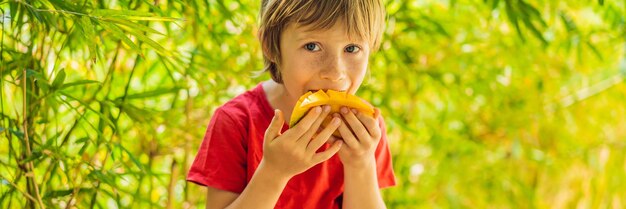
335	99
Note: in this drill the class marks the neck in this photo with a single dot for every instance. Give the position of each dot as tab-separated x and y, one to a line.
279	98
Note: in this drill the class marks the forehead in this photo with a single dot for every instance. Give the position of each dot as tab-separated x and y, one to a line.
338	30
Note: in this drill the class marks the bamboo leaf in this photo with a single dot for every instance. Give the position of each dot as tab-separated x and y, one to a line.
135	113
132	158
58	80
132	15
62	5
112	12
164	19
17	133
103	177
57	194
79	83
35	74
594	50
82	140
89	34
143	38
120	35
535	31
132	25
569	24
34	155
106	119
153	93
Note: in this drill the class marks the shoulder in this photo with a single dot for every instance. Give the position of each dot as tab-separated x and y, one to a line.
242	107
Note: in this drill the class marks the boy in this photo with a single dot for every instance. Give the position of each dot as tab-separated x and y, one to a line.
250	158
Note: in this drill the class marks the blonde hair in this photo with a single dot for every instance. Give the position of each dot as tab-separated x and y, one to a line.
363	18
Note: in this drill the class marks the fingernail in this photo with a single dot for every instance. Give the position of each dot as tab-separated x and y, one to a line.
354	111
318	109
344	110
326	108
336	115
335	121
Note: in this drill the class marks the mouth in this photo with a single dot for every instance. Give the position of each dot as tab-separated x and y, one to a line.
315	90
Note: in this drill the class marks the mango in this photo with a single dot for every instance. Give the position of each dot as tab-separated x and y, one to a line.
335	99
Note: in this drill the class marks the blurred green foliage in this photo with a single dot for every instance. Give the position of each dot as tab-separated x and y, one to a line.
489	104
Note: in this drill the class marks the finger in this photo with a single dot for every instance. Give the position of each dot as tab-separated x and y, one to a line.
328	153
314	127
354	123
332	139
273	130
348	136
371	123
323	136
306	122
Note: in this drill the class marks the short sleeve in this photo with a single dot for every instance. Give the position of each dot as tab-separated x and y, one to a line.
384	166
221	160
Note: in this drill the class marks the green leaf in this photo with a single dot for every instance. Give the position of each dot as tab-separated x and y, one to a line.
90	35
78	83
153	93
164	19
112	12
82	140
120	35
33	156
103	177
17	133
88	107
594	50
135	113
58	193
132	158
569	24
535	31
132	25
31	73
143	38
84	147
132	15
58	80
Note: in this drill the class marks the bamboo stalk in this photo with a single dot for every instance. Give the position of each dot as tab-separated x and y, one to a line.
18	189
170	188
29	165
597	88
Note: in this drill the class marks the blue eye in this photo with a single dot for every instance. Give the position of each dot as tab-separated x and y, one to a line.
312	47
352	49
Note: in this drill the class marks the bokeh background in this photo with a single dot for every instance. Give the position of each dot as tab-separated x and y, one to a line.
489	103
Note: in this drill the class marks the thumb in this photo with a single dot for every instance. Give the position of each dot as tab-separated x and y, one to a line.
273	130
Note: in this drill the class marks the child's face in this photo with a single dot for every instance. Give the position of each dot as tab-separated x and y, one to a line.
321	59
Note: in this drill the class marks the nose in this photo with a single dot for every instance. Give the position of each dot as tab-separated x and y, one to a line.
334	68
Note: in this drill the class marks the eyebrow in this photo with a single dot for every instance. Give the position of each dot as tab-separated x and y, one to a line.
303	34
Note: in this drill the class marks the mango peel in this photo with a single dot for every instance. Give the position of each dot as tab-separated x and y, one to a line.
335	99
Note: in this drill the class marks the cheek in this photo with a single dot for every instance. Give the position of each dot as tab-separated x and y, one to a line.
358	69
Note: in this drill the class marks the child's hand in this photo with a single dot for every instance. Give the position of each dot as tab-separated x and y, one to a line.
294	151
362	140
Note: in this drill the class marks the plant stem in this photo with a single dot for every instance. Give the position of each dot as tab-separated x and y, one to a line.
29	165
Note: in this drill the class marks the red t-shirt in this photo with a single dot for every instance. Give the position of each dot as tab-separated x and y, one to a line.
233	147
